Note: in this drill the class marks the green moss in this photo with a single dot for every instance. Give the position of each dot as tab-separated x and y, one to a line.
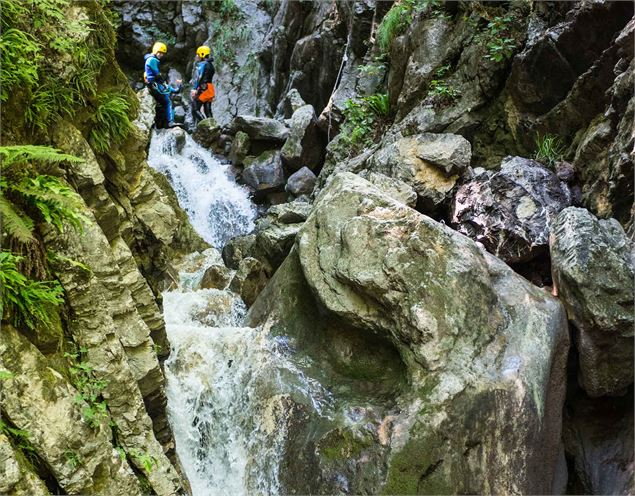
415	468
342	444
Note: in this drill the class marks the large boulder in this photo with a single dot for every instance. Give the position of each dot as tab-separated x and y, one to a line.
289	213
207	133
239	148
394	188
450	368
301	182
273	244
260	128
592	265
430	163
236	249
216	276
304	146
509	210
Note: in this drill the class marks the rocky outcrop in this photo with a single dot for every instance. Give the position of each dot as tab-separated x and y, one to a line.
119	348
451	428
396	189
38	400
592	264
509	211
249	280
260	128
16	477
429	163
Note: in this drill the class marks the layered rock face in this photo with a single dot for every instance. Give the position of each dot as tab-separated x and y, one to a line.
483	351
83	398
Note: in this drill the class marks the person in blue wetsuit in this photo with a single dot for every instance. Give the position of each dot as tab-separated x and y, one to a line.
203	91
158	87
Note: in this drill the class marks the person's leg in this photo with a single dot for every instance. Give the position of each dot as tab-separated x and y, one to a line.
197	115
207	106
159	116
170	110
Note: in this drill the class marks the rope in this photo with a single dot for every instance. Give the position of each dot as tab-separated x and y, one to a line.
337	81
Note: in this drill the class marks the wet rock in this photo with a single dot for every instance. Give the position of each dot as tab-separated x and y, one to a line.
249	280
396	189
592	265
120	350
239	148
145	119
179	113
273	244
207	133
509	210
289	213
216	277
236	249
429	163
602	159
260	128
564	52
264	172
304	147
456	305
301	182
176	141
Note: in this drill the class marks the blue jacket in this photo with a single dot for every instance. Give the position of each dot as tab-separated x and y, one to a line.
152	72
204	74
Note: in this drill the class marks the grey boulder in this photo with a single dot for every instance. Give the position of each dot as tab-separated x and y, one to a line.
301	182
592	265
430	163
509	210
260	128
304	147
264	172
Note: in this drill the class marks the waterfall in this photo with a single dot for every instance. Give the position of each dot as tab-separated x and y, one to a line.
228	387
218	208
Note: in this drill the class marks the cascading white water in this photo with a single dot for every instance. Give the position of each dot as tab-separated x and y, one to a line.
218	208
226	384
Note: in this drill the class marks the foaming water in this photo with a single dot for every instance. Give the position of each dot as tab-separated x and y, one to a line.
218	208
230	390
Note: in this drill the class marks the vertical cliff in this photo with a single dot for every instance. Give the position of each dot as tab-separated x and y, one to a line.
82	399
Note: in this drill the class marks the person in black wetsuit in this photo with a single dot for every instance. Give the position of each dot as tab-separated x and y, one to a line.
203	90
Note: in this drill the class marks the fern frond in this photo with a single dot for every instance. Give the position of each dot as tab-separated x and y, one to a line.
15	222
56	201
16	154
25	300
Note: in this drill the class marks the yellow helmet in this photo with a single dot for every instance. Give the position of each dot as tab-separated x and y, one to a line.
159	47
203	51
